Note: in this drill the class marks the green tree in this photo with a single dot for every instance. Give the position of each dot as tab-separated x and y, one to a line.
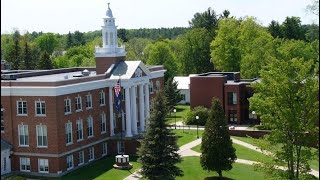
207	19
159	53
27	57
292	29
225	51
194	57
287	101
47	42
135	48
218	154
275	30
255	46
122	34
172	93
78	38
69	41
158	150
200	111
13	54
45	61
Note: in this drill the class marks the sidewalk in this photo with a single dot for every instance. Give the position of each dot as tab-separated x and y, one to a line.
186	150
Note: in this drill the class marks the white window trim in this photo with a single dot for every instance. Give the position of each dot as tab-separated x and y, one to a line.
103	118
27	160
78	97
67	100
43	126
91	120
69	168
81	123
82	154
39	166
90	107
17	104
104	147
22	145
103	95
35	108
91	159
67	126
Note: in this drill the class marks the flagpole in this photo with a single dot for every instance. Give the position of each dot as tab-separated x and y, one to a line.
121	140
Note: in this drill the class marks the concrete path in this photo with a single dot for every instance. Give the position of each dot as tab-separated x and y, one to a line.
186	150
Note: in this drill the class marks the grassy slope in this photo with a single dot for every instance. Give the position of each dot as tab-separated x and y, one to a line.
179	115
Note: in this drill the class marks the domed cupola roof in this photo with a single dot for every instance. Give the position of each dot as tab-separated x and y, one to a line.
109	12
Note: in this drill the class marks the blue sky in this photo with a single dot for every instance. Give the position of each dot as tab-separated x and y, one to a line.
62	16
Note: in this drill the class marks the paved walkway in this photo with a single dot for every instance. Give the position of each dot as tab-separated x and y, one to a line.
186	150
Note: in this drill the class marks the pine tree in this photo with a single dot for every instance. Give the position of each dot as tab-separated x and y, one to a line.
69	41
172	93
158	151
27	57
218	154
45	61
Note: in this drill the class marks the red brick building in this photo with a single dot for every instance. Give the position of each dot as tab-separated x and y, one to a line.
56	121
232	91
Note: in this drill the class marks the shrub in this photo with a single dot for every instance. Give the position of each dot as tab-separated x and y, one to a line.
202	112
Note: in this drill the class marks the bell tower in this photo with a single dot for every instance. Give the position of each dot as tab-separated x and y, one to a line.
109	53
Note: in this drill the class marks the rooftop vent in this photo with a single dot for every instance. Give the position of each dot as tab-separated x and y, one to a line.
85	72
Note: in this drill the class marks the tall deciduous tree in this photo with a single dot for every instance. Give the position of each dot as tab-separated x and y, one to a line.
225	51
172	93
287	101
47	42
158	150
218	154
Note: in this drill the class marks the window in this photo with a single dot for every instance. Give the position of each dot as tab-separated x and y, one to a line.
102	98
25	164
103	123
232	98
157	85
89	101
90	127
23	135
40	108
104	149
78	103
79	130
43	165
69	162
2	119
107	41
81	158
91	153
68	133
232	116
151	87
22	108
183	96
67	106
120	146
42	136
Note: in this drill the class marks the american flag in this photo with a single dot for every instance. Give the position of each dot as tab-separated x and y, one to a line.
117	88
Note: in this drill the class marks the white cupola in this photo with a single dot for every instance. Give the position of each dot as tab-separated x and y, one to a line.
109	36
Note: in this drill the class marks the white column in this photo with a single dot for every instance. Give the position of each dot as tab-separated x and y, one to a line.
141	108
111	112
128	115
146	101
133	110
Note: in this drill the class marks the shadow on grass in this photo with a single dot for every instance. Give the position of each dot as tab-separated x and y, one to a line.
217	178
95	169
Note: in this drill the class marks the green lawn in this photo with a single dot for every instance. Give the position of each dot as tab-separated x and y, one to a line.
179	115
192	170
186	136
102	169
244	153
314	164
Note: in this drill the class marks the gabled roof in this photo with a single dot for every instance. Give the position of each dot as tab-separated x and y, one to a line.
126	69
5	145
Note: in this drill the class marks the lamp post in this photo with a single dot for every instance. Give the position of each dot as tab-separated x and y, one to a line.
175	118
253	116
197	118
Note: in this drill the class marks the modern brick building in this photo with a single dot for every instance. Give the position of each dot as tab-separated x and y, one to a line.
55	121
232	92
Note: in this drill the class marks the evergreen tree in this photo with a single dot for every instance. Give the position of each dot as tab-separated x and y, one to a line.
14	54
45	61
78	38
218	154
69	41
27	57
172	93
158	151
